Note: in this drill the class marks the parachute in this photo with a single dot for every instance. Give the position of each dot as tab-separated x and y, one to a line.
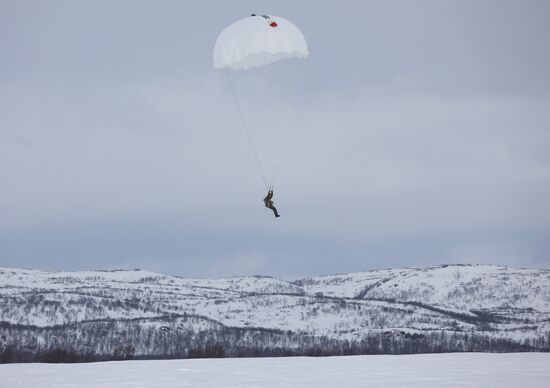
258	41
253	42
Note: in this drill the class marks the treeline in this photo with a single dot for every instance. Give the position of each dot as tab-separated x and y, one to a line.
177	337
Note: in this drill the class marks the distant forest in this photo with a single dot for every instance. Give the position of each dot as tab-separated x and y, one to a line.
167	339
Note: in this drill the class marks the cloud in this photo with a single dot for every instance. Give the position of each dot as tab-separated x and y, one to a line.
403	147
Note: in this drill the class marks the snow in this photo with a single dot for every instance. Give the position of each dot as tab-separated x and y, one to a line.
45	298
423	370
454	287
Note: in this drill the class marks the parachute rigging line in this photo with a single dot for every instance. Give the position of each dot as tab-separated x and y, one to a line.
246	129
249	43
273	178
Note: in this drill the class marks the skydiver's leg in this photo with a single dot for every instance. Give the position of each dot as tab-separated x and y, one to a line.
274	211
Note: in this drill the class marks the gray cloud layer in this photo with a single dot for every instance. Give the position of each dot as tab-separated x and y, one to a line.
418	134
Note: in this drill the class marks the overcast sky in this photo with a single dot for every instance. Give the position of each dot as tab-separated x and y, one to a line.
417	133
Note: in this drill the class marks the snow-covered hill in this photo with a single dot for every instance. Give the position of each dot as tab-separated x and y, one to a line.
394	310
463	287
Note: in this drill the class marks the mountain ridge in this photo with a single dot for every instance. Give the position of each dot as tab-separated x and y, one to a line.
388	311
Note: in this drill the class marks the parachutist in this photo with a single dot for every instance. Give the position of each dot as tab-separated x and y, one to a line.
269	203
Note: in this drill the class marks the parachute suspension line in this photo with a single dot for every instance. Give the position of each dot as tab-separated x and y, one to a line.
246	128
284	112
274	177
297	74
291	102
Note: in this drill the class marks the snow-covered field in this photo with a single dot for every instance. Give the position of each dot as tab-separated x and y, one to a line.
422	370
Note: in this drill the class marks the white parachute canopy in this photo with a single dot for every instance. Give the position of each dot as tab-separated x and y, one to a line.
258	41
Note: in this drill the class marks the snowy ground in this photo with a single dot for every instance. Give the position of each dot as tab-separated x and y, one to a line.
426	370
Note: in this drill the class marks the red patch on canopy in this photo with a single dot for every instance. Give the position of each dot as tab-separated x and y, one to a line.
273	24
